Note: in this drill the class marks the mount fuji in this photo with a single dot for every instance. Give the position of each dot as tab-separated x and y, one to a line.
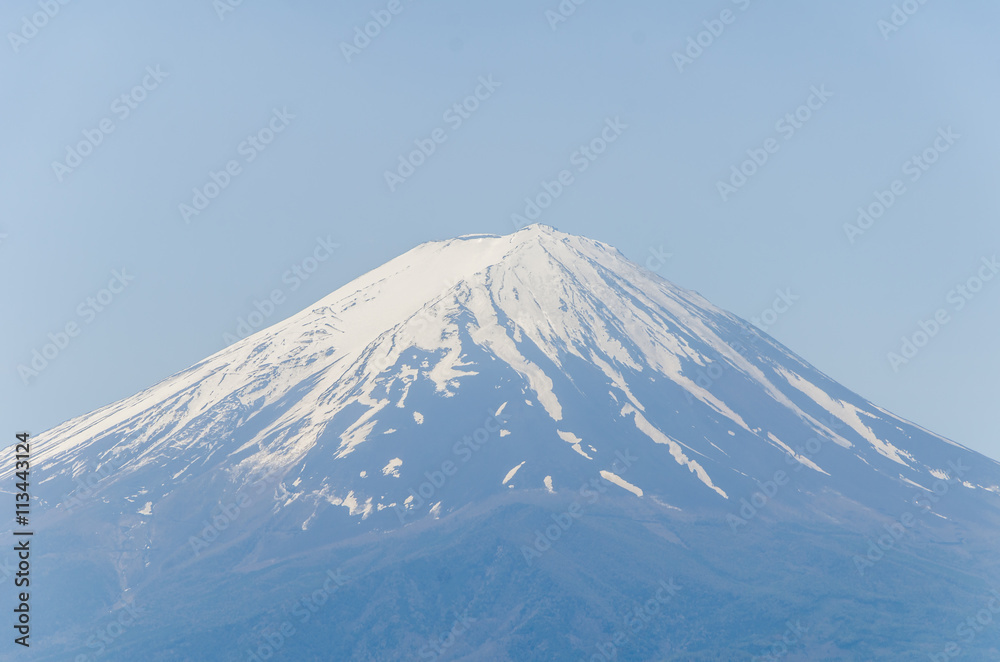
519	447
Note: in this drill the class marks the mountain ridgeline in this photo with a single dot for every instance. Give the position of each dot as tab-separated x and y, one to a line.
519	447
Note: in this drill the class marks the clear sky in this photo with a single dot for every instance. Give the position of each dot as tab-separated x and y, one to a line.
114	113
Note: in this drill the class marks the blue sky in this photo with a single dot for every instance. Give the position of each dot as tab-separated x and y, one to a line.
838	110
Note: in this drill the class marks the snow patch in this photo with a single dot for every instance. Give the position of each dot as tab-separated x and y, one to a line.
907	480
510	474
621	482
665	504
646	428
407	375
849	414
801	459
351	503
571	438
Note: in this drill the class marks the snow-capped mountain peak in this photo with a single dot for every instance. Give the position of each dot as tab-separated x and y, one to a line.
575	354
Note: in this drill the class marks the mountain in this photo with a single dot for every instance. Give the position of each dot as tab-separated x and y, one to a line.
518	447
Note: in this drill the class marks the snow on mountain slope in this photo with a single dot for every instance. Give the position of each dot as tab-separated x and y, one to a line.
542	351
427	426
